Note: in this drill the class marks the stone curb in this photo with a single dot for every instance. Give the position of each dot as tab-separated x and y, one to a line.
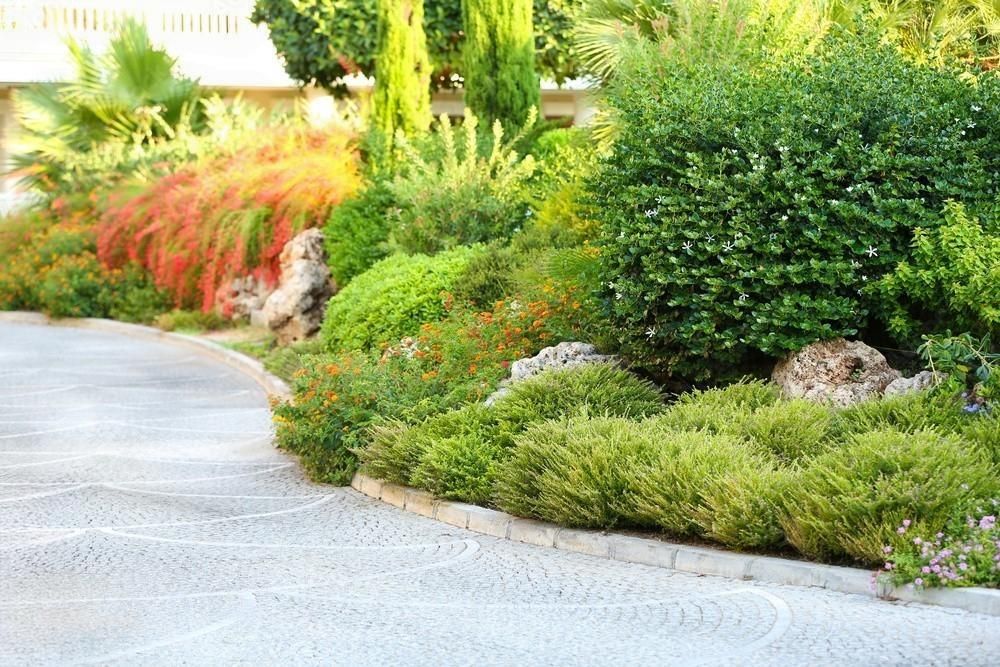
240	362
680	557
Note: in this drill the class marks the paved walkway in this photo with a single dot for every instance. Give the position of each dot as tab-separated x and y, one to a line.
146	519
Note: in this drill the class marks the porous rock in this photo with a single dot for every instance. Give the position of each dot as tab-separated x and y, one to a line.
563	355
920	382
295	310
838	372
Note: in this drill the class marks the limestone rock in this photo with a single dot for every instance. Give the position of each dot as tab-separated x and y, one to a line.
245	296
838	372
295	310
563	355
920	382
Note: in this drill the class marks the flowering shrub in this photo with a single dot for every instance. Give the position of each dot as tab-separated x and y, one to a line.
746	213
458	360
212	221
965	553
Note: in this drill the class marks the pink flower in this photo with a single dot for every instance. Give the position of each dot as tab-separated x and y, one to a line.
887	550
918	581
987	522
925	569
906	523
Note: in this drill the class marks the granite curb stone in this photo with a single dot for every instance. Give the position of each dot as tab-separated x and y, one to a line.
680	557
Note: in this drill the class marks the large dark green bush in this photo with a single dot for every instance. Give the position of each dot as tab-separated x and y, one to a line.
850	501
745	212
321	41
392	300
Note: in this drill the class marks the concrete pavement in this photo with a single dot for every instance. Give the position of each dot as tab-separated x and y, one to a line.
145	519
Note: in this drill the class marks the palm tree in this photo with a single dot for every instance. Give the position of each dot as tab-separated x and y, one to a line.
130	93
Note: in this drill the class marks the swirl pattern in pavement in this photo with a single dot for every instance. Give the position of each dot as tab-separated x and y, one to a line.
145	518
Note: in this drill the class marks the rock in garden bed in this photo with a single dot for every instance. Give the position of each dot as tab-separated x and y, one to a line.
839	372
563	355
295	310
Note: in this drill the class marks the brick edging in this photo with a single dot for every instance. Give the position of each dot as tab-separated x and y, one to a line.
680	557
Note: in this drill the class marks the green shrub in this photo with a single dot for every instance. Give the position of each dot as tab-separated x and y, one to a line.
459	459
742	508
393	299
715	410
950	280
790	431
574	472
414	454
668	491
450	363
135	298
488	278
744	210
594	389
849	502
75	286
918	411
462	197
357	231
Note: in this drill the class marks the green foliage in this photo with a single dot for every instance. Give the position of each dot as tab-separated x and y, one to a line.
322	41
790	431
135	298
488	277
787	431
414	455
849	502
949	280
668	491
714	410
745	212
574	472
392	300
499	62
595	389
402	97
742	508
459	461
450	363
357	232
462	197
128	95
971	362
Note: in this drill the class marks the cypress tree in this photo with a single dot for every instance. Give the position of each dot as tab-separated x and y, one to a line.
402	69
499	59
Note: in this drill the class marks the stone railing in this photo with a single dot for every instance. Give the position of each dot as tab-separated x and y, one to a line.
213	40
218	17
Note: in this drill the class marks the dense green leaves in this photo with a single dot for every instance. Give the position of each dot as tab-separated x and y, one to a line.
402	81
747	212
